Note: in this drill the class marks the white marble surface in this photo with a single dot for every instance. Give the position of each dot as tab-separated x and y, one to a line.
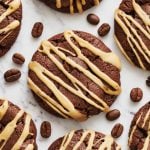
55	22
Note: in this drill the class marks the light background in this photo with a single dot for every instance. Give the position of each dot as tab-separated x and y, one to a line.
55	22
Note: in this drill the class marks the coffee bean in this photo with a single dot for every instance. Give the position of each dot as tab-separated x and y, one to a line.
117	130
12	75
93	19
45	129
113	114
136	94
37	29
104	29
148	81
18	59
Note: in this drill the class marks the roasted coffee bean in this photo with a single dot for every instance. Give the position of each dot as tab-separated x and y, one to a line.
12	75
117	130
113	114
148	81
136	94
104	29
93	19
45	129
18	59
37	29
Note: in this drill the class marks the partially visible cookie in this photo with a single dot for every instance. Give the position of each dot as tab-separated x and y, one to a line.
132	31
71	6
17	129
85	139
74	75
139	135
10	23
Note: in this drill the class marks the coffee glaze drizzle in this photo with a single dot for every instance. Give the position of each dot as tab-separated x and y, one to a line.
64	106
79	4
135	41
8	130
104	142
145	122
12	7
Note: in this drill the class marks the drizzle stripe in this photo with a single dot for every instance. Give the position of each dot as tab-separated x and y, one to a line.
24	133
9	129
12	7
125	21
39	70
146	117
57	107
3	109
108	141
79	4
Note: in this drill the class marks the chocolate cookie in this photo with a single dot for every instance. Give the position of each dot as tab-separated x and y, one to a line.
85	139
74	75
139	135
17	129
71	5
132	31
10	23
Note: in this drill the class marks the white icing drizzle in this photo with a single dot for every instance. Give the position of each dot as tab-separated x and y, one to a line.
125	21
11	126
147	139
65	107
79	4
12	7
108	141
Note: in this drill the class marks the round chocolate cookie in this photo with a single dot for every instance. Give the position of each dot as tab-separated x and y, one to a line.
10	23
139	135
85	139
132	31
17	129
71	6
74	75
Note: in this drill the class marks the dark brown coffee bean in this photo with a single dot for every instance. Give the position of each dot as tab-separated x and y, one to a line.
113	114
117	130
104	29
18	59
12	75
148	81
136	94
37	29
45	129
93	19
